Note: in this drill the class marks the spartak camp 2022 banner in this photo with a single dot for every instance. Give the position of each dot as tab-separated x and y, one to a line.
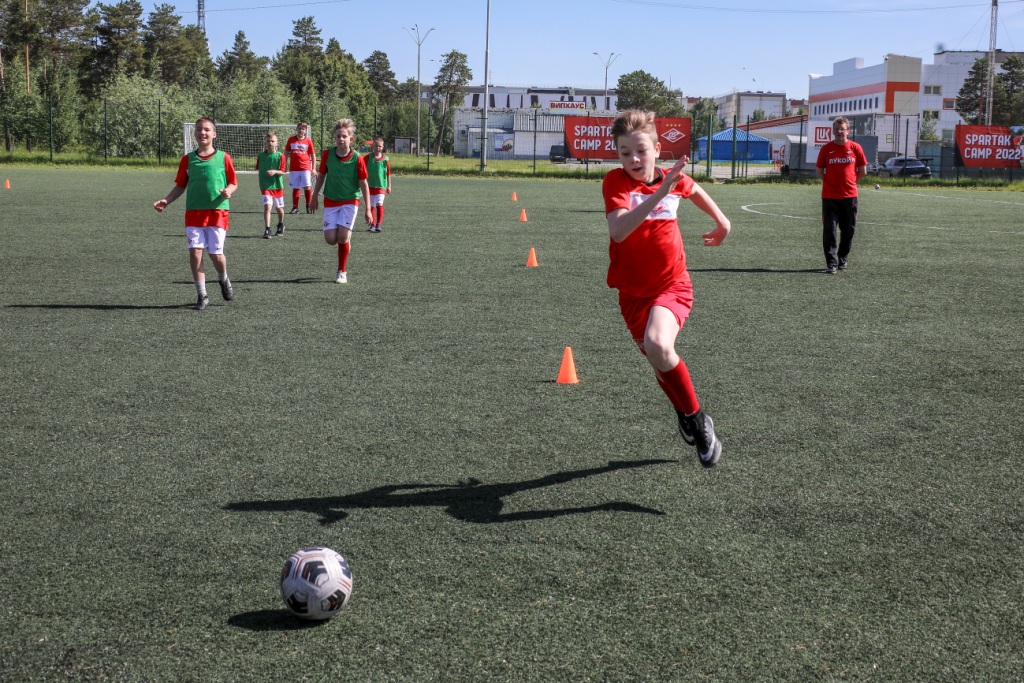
590	137
990	146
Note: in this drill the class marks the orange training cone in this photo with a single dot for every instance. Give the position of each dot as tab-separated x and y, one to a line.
514	197
567	373
7	184
522	216
531	260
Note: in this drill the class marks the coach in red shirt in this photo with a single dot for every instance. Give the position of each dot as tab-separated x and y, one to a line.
841	163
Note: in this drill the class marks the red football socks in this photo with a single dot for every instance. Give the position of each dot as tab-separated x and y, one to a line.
677	386
343	249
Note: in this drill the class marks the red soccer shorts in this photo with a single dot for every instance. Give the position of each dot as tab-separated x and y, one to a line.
636	311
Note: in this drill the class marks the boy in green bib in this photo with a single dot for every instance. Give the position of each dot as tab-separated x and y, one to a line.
270	165
343	177
207	179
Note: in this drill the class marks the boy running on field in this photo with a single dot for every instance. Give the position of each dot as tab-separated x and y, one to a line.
378	166
208	177
342	175
648	264
270	166
301	154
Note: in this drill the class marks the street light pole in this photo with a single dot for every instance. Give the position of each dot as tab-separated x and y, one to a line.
419	83
487	92
607	63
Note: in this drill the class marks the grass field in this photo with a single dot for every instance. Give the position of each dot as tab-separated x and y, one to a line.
160	464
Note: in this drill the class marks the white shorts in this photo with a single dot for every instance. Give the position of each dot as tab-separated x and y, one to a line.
343	216
276	202
377	199
210	238
299	179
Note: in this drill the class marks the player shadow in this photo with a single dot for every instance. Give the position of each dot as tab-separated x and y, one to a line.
755	270
272	620
106	307
469	501
282	281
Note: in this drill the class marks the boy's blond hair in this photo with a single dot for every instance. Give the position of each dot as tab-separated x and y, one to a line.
634	121
206	118
345	123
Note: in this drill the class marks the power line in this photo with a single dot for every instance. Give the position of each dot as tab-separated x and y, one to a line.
768	10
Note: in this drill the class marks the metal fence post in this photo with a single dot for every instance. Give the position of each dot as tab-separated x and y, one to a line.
50	109
159	132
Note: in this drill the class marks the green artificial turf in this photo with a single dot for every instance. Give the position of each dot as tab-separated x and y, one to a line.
160	464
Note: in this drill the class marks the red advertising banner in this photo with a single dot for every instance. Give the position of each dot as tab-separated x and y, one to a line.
589	137
990	146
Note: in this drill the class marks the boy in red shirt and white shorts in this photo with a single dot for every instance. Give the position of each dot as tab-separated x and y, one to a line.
648	264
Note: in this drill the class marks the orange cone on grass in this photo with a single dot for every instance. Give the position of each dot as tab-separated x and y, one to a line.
514	197
531	260
7	184
567	373
522	216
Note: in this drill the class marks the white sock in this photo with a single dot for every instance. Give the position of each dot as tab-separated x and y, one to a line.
224	276
201	287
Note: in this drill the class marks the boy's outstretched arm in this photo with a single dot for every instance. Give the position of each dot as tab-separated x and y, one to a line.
622	222
161	204
705	203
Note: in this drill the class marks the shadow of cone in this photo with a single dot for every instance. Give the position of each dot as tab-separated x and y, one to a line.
514	197
522	216
531	260
567	373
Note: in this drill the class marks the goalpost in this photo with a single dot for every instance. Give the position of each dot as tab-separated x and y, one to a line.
243	141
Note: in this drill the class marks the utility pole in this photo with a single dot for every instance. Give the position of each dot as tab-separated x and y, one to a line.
990	94
607	63
419	83
201	12
487	90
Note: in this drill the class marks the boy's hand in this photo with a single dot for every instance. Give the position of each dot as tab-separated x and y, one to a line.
314	203
677	170
160	205
225	193
716	236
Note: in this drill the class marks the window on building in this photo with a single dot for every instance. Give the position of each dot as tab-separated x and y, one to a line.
949	103
476	100
534	100
930	114
876	103
933	90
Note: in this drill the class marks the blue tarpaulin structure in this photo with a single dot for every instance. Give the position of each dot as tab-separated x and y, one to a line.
749	147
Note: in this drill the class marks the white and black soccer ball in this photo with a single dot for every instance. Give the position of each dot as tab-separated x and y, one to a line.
877	186
316	583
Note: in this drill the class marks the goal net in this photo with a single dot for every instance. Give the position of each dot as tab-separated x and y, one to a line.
243	141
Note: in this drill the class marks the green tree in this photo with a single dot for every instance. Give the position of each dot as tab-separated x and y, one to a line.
758	115
641	90
175	54
118	48
143	117
449	91
294	65
1012	81
381	77
970	100
239	61
702	112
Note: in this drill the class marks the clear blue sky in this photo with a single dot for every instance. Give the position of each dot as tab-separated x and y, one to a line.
704	47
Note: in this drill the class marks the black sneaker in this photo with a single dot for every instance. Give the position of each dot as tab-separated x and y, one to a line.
699	431
280	229
202	302
831	270
266	233
294	210
842	264
226	290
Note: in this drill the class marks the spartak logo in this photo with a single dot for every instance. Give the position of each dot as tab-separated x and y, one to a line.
673	135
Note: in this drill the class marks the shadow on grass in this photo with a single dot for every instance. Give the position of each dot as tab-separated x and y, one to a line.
756	270
469	501
272	620
106	307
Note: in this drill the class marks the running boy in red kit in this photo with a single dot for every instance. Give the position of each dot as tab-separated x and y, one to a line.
648	264
301	154
342	175
378	166
208	177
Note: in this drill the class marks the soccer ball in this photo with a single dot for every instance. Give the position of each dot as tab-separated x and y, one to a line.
877	186
316	583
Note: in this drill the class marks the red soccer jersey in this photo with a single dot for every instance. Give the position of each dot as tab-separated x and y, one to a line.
840	163
651	258
301	153
205	218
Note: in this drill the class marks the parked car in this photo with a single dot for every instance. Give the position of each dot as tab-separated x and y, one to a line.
899	167
559	154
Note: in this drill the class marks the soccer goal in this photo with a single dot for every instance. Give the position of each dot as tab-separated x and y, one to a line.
243	141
